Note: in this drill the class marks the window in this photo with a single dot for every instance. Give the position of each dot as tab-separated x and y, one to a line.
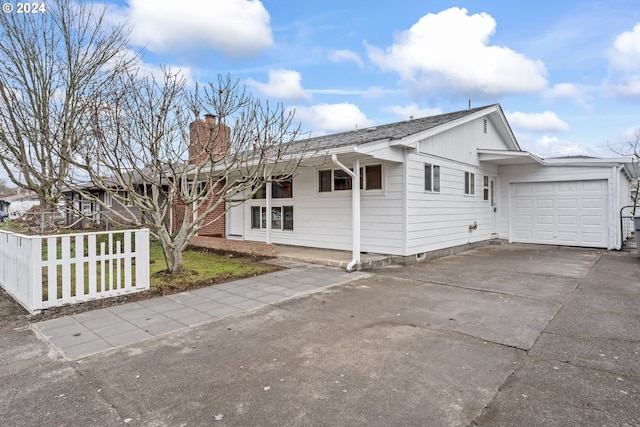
281	217
108	200
324	178
124	195
341	180
280	189
469	183
86	207
338	180
372	175
485	187
432	178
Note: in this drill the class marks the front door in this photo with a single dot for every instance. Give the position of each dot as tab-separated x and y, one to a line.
235	220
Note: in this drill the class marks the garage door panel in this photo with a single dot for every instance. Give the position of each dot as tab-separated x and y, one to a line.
544	187
591	237
544	219
567	219
592	203
594	186
595	220
544	236
543	203
567	237
523	235
524	204
569	213
523	188
567	187
567	203
524	220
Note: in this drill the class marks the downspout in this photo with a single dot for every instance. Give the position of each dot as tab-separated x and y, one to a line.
355	208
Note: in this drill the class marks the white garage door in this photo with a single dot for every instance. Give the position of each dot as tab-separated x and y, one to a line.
572	213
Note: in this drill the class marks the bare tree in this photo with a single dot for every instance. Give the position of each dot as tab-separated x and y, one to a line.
630	148
163	167
52	65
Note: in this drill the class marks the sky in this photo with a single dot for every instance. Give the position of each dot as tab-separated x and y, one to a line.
566	73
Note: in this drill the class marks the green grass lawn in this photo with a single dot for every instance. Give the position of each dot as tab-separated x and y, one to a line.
202	268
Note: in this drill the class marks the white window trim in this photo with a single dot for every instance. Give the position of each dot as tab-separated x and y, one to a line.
432	168
486	192
363	176
469	182
263	215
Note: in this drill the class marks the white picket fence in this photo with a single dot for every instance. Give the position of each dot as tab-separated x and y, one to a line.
48	271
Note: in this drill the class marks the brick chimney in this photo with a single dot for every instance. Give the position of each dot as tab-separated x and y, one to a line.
208	139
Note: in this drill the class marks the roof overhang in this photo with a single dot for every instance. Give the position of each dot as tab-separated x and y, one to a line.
508	157
628	164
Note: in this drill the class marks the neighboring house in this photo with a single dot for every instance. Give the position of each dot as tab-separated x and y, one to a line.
85	211
4	204
437	183
207	136
20	203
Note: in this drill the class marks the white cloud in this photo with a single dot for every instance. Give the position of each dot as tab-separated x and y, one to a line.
450	50
624	64
379	92
537	122
145	69
283	84
330	118
551	146
238	28
412	110
337	91
346	55
570	91
625	53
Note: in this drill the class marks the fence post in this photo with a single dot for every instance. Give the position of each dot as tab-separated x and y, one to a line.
142	258
34	275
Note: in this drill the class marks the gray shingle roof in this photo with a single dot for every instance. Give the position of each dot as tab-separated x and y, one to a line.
388	131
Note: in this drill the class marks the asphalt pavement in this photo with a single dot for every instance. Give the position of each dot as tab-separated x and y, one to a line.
511	335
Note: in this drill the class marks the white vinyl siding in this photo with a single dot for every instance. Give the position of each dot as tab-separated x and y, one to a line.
440	220
323	219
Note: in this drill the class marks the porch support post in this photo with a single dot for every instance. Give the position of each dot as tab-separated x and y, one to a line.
268	196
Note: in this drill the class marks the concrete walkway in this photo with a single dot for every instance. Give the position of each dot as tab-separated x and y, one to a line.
92	332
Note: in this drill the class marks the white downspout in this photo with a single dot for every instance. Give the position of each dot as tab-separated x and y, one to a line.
355	208
268	207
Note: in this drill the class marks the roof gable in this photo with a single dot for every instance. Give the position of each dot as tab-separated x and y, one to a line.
407	131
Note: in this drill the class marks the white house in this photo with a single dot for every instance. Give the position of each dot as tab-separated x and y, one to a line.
437	183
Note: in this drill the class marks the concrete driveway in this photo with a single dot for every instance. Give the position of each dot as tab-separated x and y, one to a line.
512	335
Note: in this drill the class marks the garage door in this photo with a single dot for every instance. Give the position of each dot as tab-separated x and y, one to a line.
572	213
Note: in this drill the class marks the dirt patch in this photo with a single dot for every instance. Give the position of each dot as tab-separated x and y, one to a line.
13	313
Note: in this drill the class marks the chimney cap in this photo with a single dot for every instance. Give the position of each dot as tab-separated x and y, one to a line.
208	115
